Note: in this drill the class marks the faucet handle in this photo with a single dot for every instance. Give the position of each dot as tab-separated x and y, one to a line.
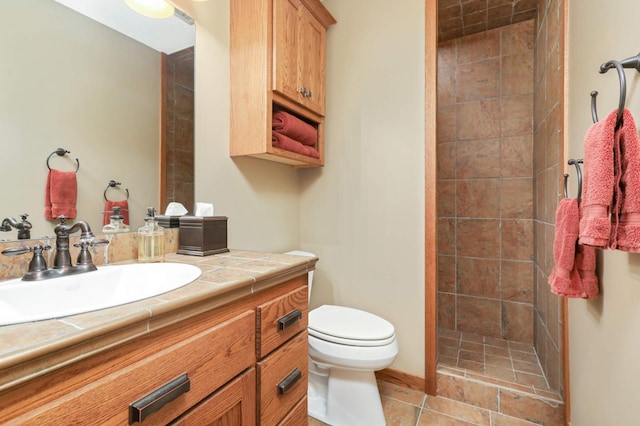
38	262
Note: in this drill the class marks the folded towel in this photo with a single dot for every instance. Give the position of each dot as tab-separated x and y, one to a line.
598	182
108	211
283	142
291	126
573	274
627	235
61	195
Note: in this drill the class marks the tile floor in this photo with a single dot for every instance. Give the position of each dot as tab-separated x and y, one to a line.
406	407
499	370
509	364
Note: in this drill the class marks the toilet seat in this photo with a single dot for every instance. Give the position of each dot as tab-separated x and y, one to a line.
349	326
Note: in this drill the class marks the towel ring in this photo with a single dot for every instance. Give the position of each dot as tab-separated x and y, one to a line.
573	162
623	87
61	152
112	184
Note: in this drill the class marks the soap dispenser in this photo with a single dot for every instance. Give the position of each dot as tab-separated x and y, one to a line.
151	239
116	222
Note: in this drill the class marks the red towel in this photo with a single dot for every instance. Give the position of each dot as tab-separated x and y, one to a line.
573	274
283	142
598	182
291	126
61	195
627	232
108	211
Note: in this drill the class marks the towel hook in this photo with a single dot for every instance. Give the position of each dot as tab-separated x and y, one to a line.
112	184
61	152
594	112
573	162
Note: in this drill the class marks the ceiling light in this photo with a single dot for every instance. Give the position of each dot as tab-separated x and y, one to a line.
152	8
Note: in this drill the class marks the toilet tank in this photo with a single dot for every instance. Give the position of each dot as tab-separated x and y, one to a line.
310	276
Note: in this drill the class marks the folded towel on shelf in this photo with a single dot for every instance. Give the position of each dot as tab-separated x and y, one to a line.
108	211
295	128
573	274
627	198
598	182
284	142
61	195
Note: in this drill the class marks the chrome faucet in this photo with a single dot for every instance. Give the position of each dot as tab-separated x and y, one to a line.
62	261
24	227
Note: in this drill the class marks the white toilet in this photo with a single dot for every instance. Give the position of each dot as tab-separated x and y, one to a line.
346	347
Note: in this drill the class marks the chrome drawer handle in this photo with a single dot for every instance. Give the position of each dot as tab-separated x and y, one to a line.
289	319
147	405
289	381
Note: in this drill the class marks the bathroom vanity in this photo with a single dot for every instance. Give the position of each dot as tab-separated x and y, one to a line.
229	348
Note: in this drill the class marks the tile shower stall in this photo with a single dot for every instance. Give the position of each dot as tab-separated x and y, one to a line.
499	148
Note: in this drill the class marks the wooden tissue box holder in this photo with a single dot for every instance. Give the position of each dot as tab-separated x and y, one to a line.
202	236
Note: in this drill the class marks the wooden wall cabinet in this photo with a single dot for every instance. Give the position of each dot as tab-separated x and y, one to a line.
238	358
278	51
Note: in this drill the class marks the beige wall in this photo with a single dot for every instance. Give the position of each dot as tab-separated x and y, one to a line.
69	82
603	334
363	213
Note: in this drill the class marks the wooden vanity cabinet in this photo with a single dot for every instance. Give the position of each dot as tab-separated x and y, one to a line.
215	350
278	61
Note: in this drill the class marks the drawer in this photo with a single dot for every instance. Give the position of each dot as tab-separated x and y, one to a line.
280	319
298	415
282	380
210	359
234	404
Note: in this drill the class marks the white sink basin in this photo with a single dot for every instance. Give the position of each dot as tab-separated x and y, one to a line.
24	301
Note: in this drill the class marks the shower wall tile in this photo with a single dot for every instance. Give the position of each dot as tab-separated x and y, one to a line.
446	123
478	80
517	322
517	115
446	273
479	47
446	156
478	277
553	145
516	74
516	198
446	198
517	281
478	315
446	236
516	156
518	38
478	159
486	148
517	239
553	318
478	238
447	310
479	198
481	119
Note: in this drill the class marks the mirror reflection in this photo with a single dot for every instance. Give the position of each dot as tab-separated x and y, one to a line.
122	108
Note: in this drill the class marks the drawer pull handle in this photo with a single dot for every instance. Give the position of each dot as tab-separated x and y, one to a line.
289	319
289	381
145	406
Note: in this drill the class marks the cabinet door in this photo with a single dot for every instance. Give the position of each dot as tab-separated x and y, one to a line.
286	42
233	405
311	55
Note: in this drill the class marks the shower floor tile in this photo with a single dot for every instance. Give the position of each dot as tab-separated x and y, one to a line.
504	363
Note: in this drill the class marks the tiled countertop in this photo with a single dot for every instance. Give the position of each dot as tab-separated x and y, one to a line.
32	349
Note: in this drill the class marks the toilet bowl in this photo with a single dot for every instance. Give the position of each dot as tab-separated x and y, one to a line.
346	347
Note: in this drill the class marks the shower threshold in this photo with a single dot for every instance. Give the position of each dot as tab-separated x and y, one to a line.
493	361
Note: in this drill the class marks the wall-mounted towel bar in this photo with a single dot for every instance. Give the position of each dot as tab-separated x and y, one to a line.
61	152
632	62
574	162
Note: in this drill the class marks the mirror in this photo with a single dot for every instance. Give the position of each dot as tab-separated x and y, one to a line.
68	81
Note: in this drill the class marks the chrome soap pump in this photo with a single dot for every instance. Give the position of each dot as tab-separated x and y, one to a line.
151	239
